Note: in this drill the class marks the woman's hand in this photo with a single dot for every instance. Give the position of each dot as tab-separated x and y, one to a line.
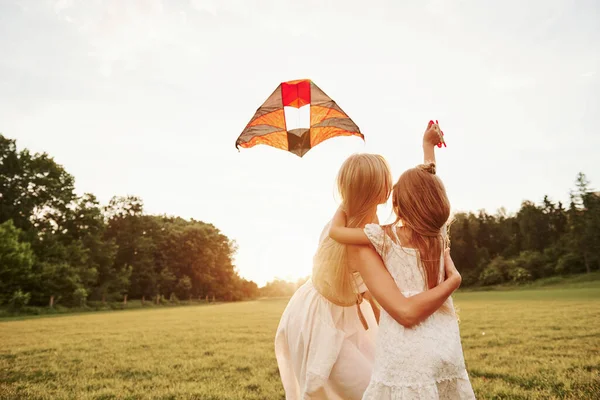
432	135
450	269
431	138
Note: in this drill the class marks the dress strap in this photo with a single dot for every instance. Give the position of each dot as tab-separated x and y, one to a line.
395	233
362	318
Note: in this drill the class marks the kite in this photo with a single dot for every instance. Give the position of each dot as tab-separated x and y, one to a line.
297	117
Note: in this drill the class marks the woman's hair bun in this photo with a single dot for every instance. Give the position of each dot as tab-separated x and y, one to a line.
429	167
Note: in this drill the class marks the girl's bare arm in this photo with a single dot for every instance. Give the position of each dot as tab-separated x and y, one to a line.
343	235
407	311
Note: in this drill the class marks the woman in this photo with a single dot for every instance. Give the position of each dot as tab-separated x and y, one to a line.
325	340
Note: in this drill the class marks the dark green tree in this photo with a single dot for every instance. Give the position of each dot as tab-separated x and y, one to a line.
16	262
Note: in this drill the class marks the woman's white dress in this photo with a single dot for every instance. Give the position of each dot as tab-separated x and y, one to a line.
322	349
422	362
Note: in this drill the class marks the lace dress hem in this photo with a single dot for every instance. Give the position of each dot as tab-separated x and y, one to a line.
457	388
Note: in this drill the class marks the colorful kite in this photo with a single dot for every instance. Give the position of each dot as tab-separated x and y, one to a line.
297	117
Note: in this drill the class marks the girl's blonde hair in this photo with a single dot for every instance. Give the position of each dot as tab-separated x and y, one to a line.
420	202
363	182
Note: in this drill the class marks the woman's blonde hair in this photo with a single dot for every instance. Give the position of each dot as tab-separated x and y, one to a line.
363	182
420	202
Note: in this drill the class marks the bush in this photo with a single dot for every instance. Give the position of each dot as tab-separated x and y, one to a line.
80	296
535	263
33	310
184	287
570	264
60	309
19	300
117	306
491	275
519	275
482	257
554	253
504	266
470	278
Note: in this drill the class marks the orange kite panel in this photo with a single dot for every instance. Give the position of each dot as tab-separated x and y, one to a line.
319	114
276	139
275	118
318	135
297	103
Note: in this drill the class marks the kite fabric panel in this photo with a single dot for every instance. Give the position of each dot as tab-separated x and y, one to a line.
296	117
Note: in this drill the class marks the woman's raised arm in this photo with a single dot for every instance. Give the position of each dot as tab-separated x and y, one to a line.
407	311
431	138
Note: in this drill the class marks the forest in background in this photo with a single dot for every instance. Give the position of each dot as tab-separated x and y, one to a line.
58	248
539	241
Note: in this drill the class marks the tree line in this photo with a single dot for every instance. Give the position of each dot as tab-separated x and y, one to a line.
540	240
60	248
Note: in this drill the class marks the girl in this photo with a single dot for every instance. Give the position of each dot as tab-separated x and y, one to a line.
324	344
425	361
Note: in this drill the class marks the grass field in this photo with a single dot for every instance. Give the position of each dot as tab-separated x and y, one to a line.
527	344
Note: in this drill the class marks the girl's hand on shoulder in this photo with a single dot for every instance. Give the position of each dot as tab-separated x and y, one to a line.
339	219
450	268
343	235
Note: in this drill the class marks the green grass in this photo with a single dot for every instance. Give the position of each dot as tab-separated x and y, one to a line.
591	280
528	344
28	311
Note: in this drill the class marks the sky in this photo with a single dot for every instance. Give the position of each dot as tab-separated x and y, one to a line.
147	97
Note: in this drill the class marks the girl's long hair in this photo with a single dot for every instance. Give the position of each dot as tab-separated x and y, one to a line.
420	203
363	182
